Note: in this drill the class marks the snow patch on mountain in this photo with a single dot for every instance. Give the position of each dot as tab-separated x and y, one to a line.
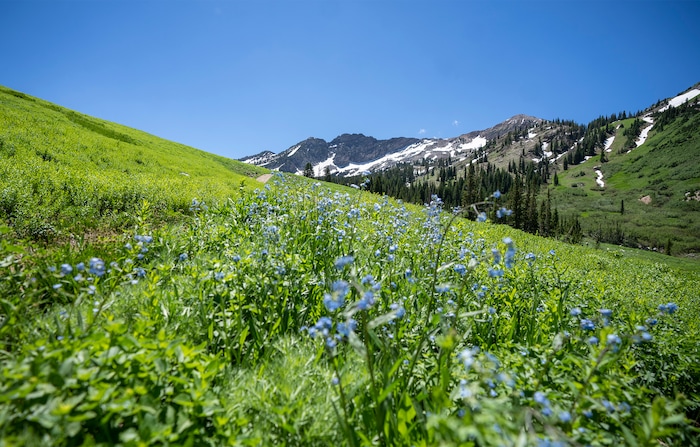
680	99
410	151
294	150
320	168
608	143
645	132
477	143
599	175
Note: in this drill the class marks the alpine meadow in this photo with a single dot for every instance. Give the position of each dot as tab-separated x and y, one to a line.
156	294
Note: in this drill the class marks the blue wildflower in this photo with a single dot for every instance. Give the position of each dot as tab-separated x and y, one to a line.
576	311
97	267
565	416
442	288
613	339
530	258
481	217
344	261
183	257
366	301
587	325
66	269
497	194
593	340
495	273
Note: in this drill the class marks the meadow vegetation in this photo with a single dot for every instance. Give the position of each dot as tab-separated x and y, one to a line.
64	174
294	313
298	315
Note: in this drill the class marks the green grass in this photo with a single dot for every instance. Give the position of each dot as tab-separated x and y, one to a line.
64	174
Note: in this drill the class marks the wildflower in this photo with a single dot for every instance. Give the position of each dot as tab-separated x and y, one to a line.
606	313
344	329
80	266
57	286
468	356
593	340
495	273
587	325
496	256
652	321
367	300
97	267
344	261
541	398
140	272
608	406
503	212
442	288
497	194
530	258
552	252
481	217
398	310
565	416
576	311
183	257
219	276
66	269
613	339
510	257
369	279
335	381
669	308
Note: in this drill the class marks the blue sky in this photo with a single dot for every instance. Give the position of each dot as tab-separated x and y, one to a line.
236	77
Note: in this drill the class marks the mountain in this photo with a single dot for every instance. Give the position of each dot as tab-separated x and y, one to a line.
351	154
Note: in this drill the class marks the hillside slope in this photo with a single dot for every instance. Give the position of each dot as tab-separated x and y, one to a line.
647	195
62	172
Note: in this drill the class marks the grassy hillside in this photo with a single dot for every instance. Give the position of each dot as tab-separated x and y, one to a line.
647	200
62	172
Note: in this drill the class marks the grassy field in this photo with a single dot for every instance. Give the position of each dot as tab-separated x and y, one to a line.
291	313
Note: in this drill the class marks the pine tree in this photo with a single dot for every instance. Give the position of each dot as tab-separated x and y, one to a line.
308	170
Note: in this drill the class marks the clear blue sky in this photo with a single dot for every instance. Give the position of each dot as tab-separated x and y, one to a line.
235	77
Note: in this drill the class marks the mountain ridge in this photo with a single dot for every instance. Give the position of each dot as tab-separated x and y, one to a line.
350	154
